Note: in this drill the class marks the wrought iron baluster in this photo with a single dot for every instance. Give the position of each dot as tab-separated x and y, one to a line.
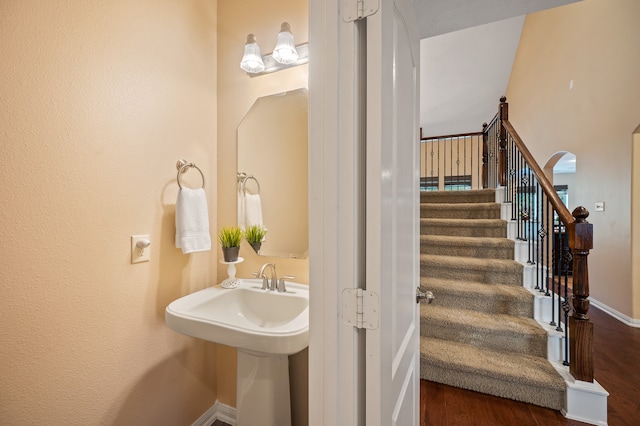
553	271
548	263
560	264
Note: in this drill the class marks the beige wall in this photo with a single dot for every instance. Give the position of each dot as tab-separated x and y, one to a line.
236	94
99	100
593	43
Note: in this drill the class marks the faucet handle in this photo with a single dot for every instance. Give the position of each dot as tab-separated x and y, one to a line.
265	281
282	288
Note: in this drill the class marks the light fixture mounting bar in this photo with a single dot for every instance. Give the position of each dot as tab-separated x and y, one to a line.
271	65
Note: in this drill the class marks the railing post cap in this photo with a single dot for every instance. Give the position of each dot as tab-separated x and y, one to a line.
503	99
581	214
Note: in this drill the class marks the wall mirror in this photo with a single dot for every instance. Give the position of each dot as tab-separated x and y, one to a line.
272	152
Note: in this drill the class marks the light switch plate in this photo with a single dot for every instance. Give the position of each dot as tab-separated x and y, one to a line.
600	206
140	254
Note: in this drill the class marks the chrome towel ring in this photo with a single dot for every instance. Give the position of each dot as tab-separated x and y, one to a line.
183	166
242	182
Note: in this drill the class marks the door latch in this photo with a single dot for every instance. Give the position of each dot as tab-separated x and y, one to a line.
425	296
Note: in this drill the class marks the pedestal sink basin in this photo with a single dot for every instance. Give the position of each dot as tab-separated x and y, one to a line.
245	317
265	327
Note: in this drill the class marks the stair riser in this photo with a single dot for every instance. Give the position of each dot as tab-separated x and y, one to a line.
429	247
458	197
507	277
484	304
491	385
518	343
464	231
432	211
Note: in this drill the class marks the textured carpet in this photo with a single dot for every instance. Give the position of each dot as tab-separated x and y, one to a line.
479	333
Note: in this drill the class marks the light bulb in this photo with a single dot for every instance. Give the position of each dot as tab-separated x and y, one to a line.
285	51
252	59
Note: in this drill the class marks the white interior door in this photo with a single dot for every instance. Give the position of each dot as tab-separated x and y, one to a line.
363	154
392	350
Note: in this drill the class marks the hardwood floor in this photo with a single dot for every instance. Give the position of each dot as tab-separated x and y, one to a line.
442	405
616	356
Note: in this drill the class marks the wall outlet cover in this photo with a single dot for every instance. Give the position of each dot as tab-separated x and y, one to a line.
140	254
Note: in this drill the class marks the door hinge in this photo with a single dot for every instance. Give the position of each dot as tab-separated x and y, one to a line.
360	308
353	10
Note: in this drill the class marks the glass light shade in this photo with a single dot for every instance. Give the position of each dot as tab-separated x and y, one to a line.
285	51
252	59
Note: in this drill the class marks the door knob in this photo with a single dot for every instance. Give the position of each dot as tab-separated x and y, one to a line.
423	296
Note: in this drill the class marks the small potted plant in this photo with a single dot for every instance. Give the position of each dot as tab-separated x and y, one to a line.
255	235
230	238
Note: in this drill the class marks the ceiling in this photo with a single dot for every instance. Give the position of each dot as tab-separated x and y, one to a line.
437	17
466	54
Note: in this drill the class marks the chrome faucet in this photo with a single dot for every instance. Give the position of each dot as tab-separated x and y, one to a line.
266	285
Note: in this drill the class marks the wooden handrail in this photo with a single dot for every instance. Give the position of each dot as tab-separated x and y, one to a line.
550	192
458	135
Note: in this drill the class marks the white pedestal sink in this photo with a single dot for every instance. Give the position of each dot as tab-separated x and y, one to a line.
265	327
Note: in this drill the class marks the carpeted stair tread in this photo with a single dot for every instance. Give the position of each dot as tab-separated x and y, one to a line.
484	247
474	196
494	271
497	298
524	378
460	210
496	331
464	227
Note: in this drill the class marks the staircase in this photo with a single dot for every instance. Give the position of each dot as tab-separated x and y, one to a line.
479	333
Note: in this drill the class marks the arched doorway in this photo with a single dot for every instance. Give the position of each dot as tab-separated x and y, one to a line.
561	171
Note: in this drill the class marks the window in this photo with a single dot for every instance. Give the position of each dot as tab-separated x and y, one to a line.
451	183
429	183
457	183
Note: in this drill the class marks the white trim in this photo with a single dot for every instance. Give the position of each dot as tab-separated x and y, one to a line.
555	343
218	411
631	322
334	390
584	401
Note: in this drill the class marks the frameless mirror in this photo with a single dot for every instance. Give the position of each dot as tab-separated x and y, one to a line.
272	154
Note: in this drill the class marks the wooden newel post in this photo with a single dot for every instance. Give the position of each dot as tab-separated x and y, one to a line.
580	328
485	156
503	112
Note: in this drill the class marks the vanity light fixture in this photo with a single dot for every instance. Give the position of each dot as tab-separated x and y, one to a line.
252	59
285	55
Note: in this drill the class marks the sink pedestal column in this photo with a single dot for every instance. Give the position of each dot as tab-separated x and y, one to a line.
262	393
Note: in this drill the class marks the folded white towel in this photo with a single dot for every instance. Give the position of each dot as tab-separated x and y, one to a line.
192	221
252	210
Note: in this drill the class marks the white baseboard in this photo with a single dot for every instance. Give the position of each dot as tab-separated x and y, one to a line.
631	322
218	411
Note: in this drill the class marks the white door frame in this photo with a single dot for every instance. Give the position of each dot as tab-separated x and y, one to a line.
333	392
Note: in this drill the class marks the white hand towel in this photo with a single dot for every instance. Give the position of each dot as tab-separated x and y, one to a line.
192	221
241	210
253	210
